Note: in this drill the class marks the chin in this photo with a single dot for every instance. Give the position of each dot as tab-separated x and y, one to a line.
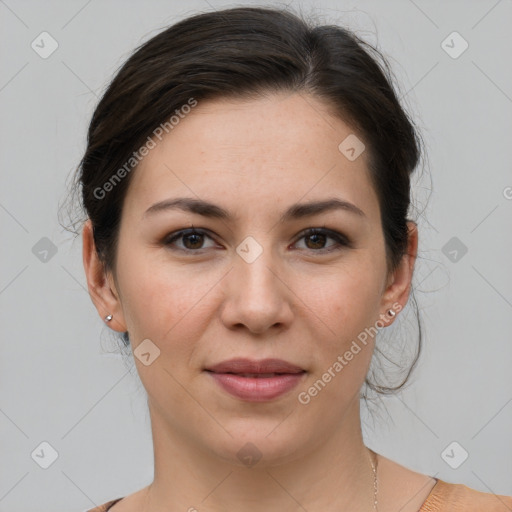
264	443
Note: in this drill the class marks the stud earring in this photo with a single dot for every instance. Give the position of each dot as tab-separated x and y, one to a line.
108	318
391	313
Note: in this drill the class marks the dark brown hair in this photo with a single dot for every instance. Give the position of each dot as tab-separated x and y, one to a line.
243	53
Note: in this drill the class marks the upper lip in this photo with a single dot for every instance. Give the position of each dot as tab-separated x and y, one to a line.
241	365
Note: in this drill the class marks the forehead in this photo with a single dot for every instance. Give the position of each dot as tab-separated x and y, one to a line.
258	153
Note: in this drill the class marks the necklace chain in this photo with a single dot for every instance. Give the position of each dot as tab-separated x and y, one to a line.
375	488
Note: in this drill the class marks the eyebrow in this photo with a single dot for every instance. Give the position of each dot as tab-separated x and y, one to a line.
296	211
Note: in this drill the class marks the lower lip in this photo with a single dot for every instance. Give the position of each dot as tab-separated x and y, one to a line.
255	389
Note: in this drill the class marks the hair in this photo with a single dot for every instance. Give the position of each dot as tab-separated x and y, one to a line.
248	52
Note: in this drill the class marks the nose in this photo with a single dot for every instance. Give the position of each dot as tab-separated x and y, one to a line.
257	295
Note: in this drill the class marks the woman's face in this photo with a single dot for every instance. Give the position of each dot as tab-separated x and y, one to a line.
251	284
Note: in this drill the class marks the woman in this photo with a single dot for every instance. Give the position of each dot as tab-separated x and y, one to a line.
246	183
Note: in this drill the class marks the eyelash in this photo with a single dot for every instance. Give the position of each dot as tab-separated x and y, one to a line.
341	240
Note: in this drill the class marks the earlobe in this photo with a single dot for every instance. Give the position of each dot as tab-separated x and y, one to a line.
104	297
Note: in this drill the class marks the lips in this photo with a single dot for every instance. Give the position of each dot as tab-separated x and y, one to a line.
256	381
248	367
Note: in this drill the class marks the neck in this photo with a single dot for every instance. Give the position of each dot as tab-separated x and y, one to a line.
332	475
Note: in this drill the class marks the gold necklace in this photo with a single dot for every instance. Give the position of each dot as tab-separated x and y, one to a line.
374	469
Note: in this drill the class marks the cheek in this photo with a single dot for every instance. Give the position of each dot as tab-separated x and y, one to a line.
347	306
346	302
163	303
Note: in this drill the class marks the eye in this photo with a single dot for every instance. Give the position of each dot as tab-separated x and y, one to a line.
192	239
319	236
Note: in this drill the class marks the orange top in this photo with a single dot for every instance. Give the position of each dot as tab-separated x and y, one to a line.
443	497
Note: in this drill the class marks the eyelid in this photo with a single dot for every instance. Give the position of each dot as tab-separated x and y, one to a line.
341	240
176	235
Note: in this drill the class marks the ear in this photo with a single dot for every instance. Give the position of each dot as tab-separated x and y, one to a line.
398	285
100	283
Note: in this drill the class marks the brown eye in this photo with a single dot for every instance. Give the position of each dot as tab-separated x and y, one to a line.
192	240
316	240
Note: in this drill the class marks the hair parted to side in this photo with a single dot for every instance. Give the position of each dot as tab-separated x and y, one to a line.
247	52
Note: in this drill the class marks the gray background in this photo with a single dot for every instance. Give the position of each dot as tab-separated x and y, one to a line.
59	381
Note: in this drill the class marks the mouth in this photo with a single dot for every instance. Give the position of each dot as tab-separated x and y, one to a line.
256	381
249	367
255	375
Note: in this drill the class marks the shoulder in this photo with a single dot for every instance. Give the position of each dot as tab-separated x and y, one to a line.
134	501
446	497
416	492
105	506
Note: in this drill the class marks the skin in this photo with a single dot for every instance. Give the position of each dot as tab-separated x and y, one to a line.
295	302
